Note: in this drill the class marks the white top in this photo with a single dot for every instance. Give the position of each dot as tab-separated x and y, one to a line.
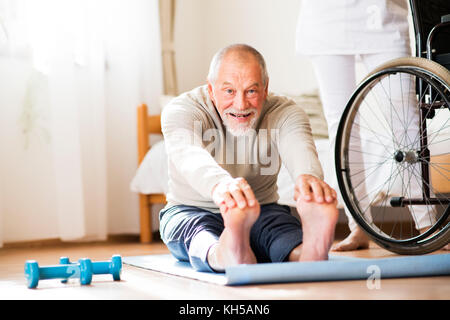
201	153
352	26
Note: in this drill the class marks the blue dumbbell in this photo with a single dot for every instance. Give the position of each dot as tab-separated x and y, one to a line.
82	270
113	266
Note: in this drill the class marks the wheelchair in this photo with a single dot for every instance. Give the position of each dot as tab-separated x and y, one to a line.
392	152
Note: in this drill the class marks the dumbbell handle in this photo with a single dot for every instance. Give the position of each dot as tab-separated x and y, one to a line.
101	267
57	271
112	267
98	267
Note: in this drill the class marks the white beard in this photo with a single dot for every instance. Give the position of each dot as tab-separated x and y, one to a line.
240	129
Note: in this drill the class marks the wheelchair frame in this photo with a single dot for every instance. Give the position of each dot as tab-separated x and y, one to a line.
426	110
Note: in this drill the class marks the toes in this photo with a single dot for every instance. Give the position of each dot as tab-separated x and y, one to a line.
344	246
349	245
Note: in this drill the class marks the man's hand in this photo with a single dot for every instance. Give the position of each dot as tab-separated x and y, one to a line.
230	194
310	188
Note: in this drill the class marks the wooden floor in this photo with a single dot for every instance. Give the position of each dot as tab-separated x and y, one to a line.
143	284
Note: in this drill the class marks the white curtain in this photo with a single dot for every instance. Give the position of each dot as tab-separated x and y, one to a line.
87	65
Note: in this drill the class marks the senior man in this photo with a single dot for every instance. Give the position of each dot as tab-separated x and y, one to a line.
224	142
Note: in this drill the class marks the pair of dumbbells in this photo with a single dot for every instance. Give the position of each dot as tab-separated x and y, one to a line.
84	269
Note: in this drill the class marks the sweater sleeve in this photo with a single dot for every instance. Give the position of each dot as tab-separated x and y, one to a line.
295	141
182	127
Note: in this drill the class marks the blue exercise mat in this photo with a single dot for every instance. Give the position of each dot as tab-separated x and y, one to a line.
337	268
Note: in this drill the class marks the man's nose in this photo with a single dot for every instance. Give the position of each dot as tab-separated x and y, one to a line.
239	101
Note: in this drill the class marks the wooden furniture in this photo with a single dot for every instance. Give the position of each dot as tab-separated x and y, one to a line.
147	124
440	174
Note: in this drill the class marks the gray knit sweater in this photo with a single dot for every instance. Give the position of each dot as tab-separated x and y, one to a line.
201	152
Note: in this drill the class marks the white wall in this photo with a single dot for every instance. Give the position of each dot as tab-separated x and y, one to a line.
205	26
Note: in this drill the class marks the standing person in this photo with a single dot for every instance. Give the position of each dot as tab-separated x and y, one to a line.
336	34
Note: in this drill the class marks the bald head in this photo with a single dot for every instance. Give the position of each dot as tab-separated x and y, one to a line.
238	53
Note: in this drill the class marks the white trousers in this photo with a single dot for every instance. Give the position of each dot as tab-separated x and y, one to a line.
337	81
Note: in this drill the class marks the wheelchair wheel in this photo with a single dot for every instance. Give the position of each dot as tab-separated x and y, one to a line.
394	132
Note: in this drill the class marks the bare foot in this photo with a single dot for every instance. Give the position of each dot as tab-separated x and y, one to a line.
318	224
233	247
357	239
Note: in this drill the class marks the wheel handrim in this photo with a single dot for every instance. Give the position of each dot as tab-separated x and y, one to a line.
401	157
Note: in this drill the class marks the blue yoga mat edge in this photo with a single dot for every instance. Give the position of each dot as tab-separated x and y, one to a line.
335	269
396	267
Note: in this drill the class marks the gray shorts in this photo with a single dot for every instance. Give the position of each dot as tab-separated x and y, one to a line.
273	236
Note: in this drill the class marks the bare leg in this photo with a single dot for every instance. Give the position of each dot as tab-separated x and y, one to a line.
318	224
357	239
233	247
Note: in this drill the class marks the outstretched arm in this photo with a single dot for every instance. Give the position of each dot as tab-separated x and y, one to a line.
182	129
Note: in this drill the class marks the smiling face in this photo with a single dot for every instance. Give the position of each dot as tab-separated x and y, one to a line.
238	92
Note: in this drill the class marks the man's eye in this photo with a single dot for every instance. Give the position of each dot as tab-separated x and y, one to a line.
229	91
251	91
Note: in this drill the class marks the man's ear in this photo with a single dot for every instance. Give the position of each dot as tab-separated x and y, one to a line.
210	92
266	89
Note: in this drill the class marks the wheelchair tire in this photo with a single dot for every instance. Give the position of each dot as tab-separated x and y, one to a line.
379	126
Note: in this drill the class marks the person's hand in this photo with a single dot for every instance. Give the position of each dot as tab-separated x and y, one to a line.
309	188
233	193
